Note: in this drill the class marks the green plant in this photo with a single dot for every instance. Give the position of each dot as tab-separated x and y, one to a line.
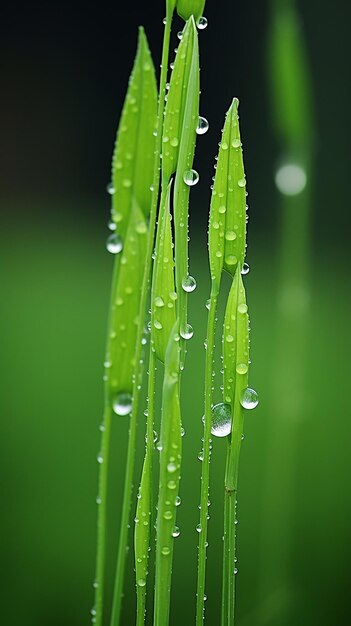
145	187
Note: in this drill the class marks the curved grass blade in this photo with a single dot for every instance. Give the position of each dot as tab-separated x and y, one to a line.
139	116
133	158
176	101
128	483
170	460
163	295
227	241
227	226
235	378
181	189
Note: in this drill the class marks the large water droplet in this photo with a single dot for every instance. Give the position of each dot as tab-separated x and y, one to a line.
189	284
202	23
176	532
245	269
202	125
249	398
291	179
241	368
221	420
187	332
191	177
122	403
114	243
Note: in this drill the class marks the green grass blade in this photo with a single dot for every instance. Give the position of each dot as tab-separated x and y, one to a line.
142	536
227	227
181	189
134	154
128	483
170	460
139	117
163	296
236	365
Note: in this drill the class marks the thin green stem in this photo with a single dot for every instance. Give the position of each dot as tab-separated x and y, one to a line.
205	478
128	483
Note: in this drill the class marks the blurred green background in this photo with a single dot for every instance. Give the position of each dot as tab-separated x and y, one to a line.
65	69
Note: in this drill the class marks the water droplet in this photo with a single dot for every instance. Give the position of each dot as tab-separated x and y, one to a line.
191	177
236	143
126	182
242	182
249	398
221	420
167	515
230	235
171	484
187	332
176	532
230	259
141	228
199	528
114	244
100	458
235	570
157	325
208	304
242	308
159	302
202	126
112	225
171	467
200	456
165	551
141	582
110	189
229	338
241	368
122	403
189	284
180	34
178	501
245	269
291	179
202	23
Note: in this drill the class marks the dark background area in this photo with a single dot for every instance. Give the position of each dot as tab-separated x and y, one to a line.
64	74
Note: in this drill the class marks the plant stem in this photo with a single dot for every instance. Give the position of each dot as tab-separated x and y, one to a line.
205	477
128	483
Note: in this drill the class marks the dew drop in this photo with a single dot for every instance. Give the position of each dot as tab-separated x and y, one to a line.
187	332
141	582
221	420
230	235
208	304
191	177
122	403
176	532
202	23
199	528
249	398
171	484
167	515
242	182
236	143
189	284
202	126
242	308
100	459
291	179
141	228
114	244
178	501
241	368
245	269
171	467
112	225
157	325
165	551
110	189
230	259
159	302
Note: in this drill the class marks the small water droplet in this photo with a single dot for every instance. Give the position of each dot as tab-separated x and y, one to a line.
141	582
208	304
245	269
187	332
174	142
231	259
230	235
178	501
191	177
241	368
100	459
171	484
200	456
110	189
112	225
202	23
159	302
202	126
171	467
180	34
199	528
114	243
141	228
165	551
241	182
157	325
176	532
189	284
242	308
235	570
122	403
249	398
221	420
167	515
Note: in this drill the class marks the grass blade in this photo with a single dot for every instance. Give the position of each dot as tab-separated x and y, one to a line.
170	460
129	219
